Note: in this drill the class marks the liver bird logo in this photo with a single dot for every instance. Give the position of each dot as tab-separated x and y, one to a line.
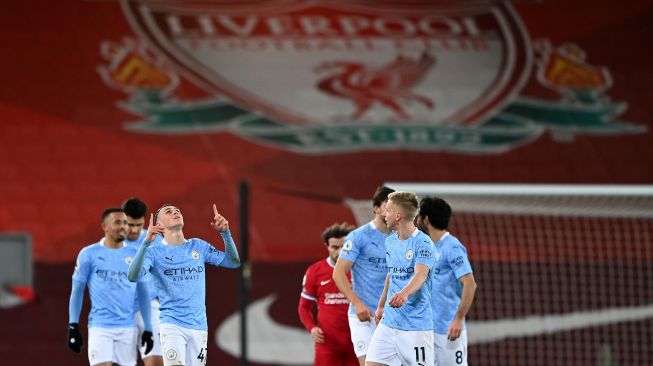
390	85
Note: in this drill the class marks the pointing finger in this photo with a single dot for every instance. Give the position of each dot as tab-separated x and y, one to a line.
215	210
151	218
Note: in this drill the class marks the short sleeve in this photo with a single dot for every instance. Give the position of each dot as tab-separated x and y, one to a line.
424	253
458	260
309	288
351	248
82	266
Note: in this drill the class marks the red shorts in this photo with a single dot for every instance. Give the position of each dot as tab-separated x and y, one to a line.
325	356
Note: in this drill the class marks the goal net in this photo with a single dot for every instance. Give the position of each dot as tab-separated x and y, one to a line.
564	272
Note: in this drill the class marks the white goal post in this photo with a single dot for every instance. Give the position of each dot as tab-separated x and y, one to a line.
530	199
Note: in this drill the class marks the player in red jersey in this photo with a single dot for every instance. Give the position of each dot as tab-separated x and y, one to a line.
333	345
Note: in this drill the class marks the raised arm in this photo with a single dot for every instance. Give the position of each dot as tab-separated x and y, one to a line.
136	267
220	224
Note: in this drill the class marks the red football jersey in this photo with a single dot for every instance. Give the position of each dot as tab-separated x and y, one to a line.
332	305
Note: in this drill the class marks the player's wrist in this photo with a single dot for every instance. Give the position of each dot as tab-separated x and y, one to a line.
403	293
359	304
75	341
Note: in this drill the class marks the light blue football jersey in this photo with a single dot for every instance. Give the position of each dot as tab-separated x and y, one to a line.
402	256
147	278
365	248
137	243
451	263
104	270
179	275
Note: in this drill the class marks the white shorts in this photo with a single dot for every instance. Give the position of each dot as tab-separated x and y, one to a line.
117	345
183	346
361	334
451	353
396	347
156	349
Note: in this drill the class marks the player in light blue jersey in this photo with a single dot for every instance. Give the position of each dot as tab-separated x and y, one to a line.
453	284
177	266
404	335
135	209
103	266
364	254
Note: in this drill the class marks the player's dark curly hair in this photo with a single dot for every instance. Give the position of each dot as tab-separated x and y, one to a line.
381	195
437	210
336	231
134	207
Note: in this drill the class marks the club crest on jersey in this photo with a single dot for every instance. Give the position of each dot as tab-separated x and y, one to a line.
129	260
409	254
171	354
195	254
360	345
382	76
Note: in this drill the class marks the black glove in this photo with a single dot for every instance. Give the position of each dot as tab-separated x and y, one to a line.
146	339
75	341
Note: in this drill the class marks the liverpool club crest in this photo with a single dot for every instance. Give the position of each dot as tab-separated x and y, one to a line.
326	76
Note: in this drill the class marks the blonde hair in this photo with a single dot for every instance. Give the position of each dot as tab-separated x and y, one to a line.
406	202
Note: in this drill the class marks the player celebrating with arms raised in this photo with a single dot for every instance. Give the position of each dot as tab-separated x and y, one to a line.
177	267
